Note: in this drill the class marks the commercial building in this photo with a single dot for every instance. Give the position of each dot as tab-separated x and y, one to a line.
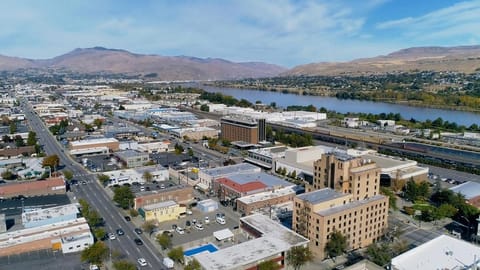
38	217
179	194
195	133
50	186
264	157
469	190
269	241
207	176
130	176
396	171
239	185
250	203
122	132
111	144
67	236
343	197
162	211
242	128
443	252
153	147
132	158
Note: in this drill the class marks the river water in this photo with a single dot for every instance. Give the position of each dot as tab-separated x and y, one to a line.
348	105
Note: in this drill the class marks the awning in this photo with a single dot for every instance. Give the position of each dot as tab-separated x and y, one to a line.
202	186
223	234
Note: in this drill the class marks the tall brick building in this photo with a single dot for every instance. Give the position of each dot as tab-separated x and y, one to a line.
343	197
241	128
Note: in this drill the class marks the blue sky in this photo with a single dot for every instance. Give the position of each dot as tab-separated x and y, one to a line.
284	32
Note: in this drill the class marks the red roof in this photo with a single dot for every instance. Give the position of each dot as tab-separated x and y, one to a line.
242	188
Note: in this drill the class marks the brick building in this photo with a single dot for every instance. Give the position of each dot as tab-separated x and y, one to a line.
111	143
51	186
248	204
241	128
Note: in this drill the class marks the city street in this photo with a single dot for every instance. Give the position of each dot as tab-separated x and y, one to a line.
97	198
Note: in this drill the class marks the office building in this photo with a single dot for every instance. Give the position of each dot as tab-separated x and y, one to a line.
38	217
243	129
162	211
207	176
50	186
132	158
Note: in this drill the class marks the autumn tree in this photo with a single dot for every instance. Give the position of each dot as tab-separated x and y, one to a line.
194	265
51	161
149	226
147	176
68	175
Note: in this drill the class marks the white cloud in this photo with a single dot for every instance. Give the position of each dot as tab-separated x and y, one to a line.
461	20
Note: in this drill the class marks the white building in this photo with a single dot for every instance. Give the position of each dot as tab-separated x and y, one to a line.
129	176
443	252
264	157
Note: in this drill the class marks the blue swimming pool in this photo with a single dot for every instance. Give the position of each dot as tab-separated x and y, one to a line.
208	247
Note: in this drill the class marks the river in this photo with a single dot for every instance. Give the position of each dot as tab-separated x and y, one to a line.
349	105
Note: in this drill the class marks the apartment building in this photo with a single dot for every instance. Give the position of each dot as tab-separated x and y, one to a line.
343	197
242	128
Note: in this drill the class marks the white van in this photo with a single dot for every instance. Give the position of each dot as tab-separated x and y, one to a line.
169	263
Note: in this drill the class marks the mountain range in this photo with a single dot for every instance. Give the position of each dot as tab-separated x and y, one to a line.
460	59
98	59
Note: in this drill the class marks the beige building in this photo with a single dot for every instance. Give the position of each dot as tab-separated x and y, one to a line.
111	143
343	197
162	211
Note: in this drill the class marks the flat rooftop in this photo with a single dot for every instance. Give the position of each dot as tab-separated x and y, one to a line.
232	169
443	252
468	189
93	141
350	205
388	162
263	196
275	239
267	179
321	195
154	206
130	153
48	213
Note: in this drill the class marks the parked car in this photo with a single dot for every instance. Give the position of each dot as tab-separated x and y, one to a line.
188	224
127	218
207	220
179	230
138	230
199	226
112	236
220	220
189	212
120	232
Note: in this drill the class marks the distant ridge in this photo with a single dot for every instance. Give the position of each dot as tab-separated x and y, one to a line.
100	59
464	59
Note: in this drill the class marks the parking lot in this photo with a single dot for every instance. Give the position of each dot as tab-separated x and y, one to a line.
99	163
154	185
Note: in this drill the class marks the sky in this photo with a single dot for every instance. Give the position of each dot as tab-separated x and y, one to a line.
283	32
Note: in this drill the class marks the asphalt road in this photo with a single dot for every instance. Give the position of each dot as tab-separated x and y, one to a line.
97	198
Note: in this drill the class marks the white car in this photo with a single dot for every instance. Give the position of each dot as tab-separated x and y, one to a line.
189	212
179	230
199	226
142	262
220	220
112	236
207	220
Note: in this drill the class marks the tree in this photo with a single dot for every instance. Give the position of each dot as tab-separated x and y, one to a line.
164	240
99	233
178	149
19	141
147	176
51	161
95	253
268	265
13	127
190	152
446	210
123	196
32	138
68	175
124	265
98	123
336	245
379	254
392	198
194	265
6	138
298	256
93	218
176	254
204	108
149	226
104	179
8	175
